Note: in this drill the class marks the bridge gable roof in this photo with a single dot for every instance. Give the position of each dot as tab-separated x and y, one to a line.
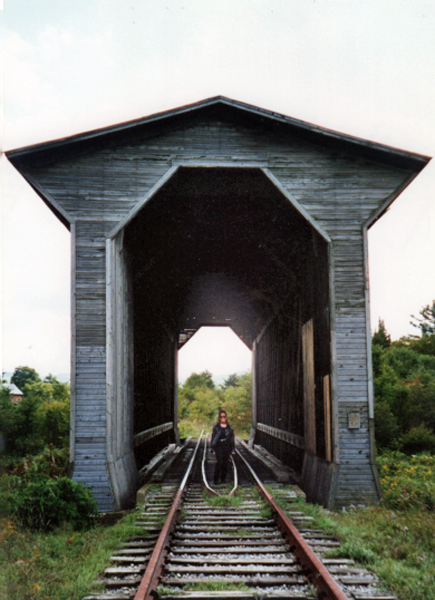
220	105
48	162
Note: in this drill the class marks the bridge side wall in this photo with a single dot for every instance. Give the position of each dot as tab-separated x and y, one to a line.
89	356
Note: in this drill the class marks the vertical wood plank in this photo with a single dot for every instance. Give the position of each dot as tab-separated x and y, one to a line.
72	437
327	418
309	395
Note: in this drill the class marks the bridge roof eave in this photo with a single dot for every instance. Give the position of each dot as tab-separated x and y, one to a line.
345	142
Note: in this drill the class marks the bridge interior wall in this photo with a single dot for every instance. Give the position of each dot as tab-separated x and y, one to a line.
279	367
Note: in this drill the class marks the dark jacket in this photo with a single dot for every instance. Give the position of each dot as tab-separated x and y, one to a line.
223	437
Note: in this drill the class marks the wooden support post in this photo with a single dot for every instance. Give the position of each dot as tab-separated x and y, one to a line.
327	418
309	387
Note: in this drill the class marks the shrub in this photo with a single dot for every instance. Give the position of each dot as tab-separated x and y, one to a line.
387	429
52	462
418	439
42	503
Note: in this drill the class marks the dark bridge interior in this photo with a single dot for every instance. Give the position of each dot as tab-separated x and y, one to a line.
223	246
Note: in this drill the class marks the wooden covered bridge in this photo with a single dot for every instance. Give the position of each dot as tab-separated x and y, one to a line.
221	213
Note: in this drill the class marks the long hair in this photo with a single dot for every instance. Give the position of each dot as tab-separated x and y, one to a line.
219	414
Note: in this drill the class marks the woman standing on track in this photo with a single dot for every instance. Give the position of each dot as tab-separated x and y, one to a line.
222	443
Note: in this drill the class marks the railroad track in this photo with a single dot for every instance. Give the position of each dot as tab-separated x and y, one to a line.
241	546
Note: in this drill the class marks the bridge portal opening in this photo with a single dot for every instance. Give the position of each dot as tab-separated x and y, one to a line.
224	246
221	367
215	349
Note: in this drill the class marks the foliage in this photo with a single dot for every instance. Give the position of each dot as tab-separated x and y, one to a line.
407	482
231	381
422	345
418	439
42	503
381	337
223	500
52	462
426	321
62	564
387	428
204	585
187	427
195	380
205	405
398	545
404	383
41	417
200	401
237	403
23	376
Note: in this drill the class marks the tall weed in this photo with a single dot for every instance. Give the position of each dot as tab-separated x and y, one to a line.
408	482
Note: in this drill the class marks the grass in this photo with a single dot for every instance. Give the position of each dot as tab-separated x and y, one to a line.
210	585
217	585
236	532
60	565
396	539
398	546
223	500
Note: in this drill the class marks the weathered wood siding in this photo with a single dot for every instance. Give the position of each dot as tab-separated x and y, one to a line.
97	191
90	460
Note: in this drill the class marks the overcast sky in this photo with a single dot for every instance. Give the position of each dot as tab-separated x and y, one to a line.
362	67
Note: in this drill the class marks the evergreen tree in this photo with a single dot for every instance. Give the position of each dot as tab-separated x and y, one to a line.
231	381
381	337
426	321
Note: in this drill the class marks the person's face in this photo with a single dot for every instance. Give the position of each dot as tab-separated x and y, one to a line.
222	418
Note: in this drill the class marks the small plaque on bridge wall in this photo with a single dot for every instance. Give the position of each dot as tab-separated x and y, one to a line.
353	421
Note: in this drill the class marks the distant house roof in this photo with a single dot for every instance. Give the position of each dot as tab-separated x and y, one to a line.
14	390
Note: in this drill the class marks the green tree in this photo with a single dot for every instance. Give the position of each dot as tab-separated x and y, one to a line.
387	430
404	383
426	321
205	406
6	413
39	419
423	345
25	437
61	390
231	381
381	337
52	422
238	404
24	375
204	379
199	403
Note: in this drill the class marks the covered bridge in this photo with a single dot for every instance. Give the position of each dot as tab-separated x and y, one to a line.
221	213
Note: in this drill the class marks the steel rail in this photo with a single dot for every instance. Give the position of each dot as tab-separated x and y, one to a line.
319	574
210	491
150	579
236	479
